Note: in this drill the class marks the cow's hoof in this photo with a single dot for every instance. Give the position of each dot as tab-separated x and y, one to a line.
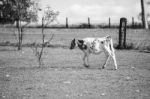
103	67
85	65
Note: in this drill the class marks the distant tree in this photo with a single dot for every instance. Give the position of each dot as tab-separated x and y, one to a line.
143	15
26	11
6	12
140	16
20	11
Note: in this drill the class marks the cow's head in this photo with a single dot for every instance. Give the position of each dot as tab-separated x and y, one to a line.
73	44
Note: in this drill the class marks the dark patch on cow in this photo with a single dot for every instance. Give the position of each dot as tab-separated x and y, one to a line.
81	45
102	42
81	41
73	43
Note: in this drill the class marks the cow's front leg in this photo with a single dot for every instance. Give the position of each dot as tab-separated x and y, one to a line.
106	60
85	59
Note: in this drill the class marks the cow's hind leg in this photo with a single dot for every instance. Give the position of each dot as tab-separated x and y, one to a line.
115	62
112	54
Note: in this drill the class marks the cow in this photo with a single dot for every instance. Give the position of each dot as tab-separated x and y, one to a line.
91	45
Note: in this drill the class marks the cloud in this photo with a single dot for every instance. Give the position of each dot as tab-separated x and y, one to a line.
105	10
80	12
98	10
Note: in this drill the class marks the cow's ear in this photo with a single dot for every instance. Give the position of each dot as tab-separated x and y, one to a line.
73	44
74	40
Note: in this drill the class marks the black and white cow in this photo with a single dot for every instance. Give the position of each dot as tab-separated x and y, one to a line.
95	46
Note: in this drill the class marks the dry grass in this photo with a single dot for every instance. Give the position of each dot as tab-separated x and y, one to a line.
64	76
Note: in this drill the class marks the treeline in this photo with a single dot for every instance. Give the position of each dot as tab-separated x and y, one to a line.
83	26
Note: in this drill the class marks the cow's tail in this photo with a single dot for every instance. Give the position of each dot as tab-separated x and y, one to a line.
109	39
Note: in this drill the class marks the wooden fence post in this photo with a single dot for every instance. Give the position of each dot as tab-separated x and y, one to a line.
89	25
125	27
133	22
122	33
109	22
67	22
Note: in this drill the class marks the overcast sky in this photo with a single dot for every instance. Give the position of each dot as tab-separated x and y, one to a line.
98	10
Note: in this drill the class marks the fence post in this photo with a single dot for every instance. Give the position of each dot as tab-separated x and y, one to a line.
89	25
132	22
109	22
122	33
67	22
125	27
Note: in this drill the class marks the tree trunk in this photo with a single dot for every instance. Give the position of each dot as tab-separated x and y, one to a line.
144	21
41	51
19	35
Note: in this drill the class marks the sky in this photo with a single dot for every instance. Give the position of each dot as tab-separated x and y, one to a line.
99	11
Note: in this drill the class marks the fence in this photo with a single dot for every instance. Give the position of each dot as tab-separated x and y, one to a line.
89	24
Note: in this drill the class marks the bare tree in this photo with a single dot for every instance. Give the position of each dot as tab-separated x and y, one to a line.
49	16
143	14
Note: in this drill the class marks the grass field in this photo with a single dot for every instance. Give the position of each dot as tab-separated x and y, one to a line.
64	76
136	38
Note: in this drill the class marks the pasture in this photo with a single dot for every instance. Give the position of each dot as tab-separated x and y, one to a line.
64	76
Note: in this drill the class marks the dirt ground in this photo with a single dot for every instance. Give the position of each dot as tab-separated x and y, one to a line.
64	76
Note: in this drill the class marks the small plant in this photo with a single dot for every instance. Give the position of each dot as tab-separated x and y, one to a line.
49	16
